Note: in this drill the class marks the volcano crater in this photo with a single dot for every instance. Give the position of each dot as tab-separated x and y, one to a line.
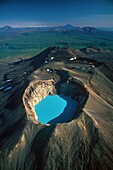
71	91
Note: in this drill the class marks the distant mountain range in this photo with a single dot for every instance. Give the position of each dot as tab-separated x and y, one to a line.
6	27
60	28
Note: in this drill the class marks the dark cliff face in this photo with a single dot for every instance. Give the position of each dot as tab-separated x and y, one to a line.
85	142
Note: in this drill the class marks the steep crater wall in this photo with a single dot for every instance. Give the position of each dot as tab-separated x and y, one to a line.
38	90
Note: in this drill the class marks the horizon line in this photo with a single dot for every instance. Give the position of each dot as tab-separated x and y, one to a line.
43	26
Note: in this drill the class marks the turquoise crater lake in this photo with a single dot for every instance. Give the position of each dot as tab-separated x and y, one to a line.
56	109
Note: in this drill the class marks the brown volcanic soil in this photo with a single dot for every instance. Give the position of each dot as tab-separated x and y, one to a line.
86	142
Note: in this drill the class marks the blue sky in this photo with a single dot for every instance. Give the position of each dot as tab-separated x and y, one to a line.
98	13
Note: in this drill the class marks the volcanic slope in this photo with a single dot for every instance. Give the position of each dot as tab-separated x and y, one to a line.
86	141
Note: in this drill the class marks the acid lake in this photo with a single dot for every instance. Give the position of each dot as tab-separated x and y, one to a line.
56	109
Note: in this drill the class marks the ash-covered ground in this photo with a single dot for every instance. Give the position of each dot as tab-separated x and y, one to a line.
85	142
